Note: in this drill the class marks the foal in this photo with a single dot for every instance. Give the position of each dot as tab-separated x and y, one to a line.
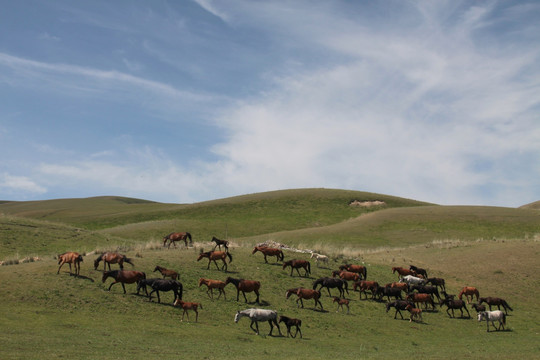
188	306
211	285
341	302
166	272
290	322
415	313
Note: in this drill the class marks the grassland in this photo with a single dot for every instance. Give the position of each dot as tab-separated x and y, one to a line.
45	315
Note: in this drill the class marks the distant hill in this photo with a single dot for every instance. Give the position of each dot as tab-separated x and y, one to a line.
534	206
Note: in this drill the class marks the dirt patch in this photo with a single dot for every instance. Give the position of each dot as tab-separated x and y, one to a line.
358	203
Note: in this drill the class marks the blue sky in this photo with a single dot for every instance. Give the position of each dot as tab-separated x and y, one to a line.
186	101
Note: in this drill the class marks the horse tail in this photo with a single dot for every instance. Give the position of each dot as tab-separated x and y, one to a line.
128	260
505	304
365	273
229	255
309	267
504	318
200	304
190	238
180	290
460	296
281	255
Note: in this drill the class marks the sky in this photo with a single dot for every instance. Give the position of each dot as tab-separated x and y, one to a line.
194	100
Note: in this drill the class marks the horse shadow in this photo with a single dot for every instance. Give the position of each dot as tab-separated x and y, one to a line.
82	277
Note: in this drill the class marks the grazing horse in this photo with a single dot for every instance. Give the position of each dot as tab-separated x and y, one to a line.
211	285
496	301
402	271
387	291
346	275
308	294
123	277
188	306
173	237
425	289
340	303
266	251
419	271
166	272
359	269
244	286
398	305
415	313
167	285
219	242
454	304
364	285
329	282
493	316
112	258
216	255
319	257
412	280
256	315
297	264
290	322
70	257
439	282
469	291
419	298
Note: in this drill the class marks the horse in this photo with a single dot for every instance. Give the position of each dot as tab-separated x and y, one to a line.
439	282
70	257
123	277
402	286
173	237
340	303
478	307
297	264
424	289
415	313
469	291
290	322
144	283
211	285
166	272
219	242
266	251
289	292
496	301
402	271
256	315
364	285
359	269
346	275
419	271
493	316
381	292
454	304
216	255
308	294
112	258
188	306
245	286
412	280
167	285
418	298
398	305
319	257
329	282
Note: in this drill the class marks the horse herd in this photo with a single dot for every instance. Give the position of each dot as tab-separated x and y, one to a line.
413	290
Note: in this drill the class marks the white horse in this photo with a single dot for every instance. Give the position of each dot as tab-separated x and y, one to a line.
493	316
412	280
257	315
319	257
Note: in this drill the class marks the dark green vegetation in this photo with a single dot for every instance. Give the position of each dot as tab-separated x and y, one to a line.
45	315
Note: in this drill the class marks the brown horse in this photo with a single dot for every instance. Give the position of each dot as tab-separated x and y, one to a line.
415	313
402	271
346	275
173	237
454	305
469	291
289	292
297	264
269	252
419	298
492	301
245	286
166	272
402	286
112	258
70	257
216	255
363	286
307	294
340	303
359	269
290	322
188	306
123	277
211	285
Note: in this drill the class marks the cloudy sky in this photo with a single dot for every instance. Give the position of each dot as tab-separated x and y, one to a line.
185	101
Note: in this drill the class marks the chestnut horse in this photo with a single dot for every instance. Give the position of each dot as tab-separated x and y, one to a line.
173	237
245	286
70	257
346	275
269	252
290	322
469	291
415	313
297	264
188	306
211	285
496	301
308	294
402	271
216	255
359	269
419	298
112	258
340	303
123	277
364	285
166	272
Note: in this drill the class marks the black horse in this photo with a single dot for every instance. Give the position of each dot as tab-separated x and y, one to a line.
290	322
219	242
329	282
419	271
144	283
426	289
454	305
388	291
167	285
398	305
439	282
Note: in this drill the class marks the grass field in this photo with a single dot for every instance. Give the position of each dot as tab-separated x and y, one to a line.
45	315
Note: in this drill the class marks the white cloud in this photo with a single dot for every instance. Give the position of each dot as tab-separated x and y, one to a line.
12	184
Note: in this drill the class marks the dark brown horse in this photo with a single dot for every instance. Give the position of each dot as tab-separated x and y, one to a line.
269	252
297	264
419	271
439	282
469	291
166	272
173	237
308	294
398	305
123	277
219	242
329	282
359	269
454	305
244	286
211	285
70	257
290	322
112	258
492	301
188	306
214	256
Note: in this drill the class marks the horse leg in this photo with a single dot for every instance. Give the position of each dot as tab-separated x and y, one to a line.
256	325
257	293
110	286
245	298
298	330
266	261
123	287
208	267
215	263
196	313
58	272
299	299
